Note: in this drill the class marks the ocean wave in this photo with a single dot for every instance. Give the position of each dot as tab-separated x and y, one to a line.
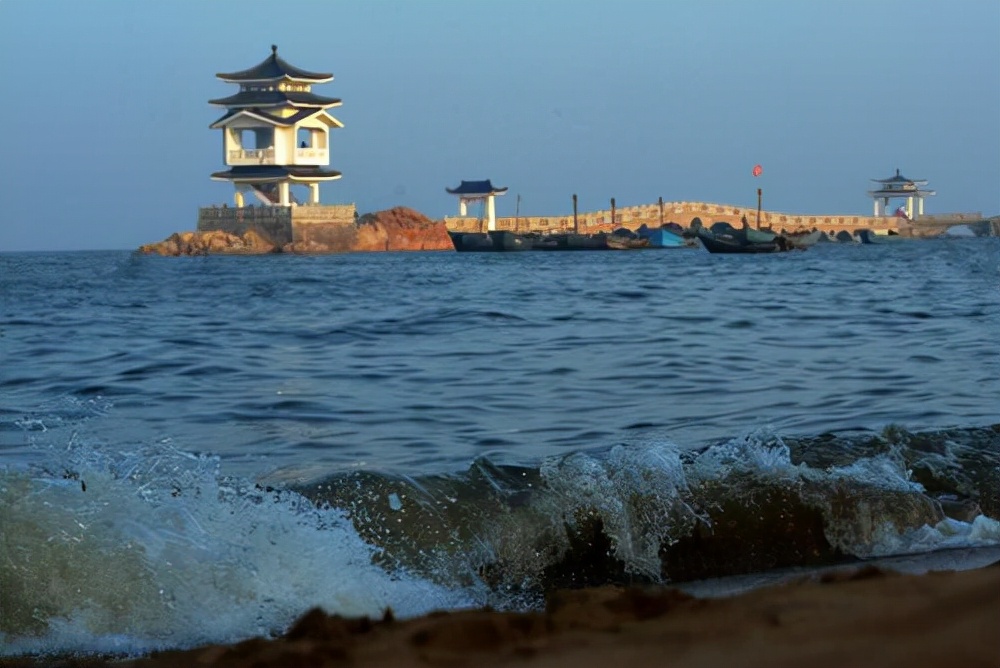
150	547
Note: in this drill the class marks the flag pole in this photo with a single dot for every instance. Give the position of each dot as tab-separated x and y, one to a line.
759	193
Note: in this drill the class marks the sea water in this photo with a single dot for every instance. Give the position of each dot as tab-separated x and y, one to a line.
200	449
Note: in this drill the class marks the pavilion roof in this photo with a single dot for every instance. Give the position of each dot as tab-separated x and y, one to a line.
276	173
274	68
275	98
474	188
899	178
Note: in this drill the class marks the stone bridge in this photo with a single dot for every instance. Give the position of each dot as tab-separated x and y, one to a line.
686	213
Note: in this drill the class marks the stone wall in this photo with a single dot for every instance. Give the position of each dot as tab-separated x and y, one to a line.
684	213
280	225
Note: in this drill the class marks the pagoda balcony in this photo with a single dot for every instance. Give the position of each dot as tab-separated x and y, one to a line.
312	156
251	156
267	156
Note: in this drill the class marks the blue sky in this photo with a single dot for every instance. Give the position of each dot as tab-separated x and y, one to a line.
107	143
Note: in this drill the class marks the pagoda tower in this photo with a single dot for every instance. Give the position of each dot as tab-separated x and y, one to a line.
276	132
900	186
478	191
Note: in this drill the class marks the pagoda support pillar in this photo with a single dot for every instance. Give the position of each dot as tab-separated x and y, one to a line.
314	193
463	207
238	198
876	208
920	206
283	198
909	207
491	213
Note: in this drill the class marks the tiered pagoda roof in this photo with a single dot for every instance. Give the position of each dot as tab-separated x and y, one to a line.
275	98
274	68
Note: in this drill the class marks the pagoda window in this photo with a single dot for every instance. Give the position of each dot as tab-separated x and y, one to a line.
310	138
254	138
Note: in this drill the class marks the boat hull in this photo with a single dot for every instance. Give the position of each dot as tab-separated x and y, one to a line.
714	244
498	241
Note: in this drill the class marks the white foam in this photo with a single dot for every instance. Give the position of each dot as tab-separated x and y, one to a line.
160	551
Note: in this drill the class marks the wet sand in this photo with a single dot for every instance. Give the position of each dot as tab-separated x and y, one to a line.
851	617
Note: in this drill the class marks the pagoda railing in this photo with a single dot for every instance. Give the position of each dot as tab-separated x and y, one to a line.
251	156
312	156
267	156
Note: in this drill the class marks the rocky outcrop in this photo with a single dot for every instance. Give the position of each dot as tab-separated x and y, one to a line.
396	229
210	243
401	229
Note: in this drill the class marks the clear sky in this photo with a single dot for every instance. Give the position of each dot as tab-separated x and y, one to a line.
105	141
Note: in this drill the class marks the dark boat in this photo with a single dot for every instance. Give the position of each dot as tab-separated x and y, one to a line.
498	241
504	241
716	244
570	242
465	242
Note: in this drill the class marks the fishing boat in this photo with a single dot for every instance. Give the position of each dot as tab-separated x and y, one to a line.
719	244
497	241
661	237
806	239
622	242
867	236
571	242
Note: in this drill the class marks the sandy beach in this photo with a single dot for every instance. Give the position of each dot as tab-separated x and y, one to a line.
849	617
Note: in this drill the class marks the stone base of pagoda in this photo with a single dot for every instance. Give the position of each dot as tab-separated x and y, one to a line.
279	224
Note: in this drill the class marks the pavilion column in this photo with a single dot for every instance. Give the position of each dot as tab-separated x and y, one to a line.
491	213
876	208
463	209
283	193
909	207
920	206
238	197
314	193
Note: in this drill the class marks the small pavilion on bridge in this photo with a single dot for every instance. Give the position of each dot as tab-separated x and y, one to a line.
900	186
478	191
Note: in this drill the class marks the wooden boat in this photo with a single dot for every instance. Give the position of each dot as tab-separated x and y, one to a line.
806	240
504	241
718	244
661	237
757	236
497	241
466	242
571	242
867	236
622	242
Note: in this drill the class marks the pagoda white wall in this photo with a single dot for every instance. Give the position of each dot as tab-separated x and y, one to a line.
289	153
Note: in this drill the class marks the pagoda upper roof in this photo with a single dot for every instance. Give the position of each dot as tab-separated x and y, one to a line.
474	188
901	192
899	178
275	174
271	119
274	68
275	98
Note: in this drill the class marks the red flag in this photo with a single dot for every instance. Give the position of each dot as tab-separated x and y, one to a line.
757	170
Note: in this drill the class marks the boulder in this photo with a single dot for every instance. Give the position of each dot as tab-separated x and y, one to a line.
401	229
